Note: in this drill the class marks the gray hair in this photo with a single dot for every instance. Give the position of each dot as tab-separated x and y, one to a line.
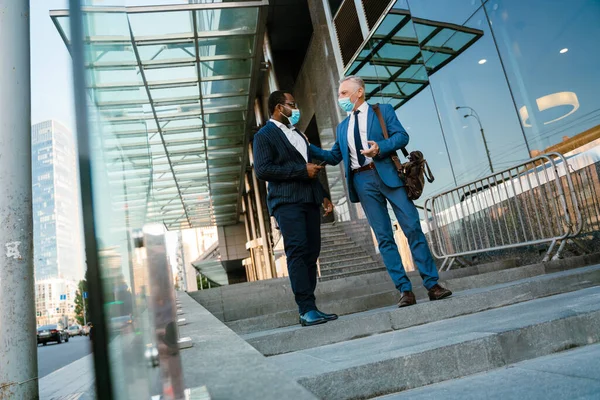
354	79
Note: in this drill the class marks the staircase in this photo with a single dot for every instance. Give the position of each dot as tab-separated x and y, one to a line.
507	333
347	250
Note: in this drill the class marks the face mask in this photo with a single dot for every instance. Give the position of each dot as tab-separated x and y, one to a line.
346	104
295	117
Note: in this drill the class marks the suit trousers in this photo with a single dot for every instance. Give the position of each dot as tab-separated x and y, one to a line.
374	196
300	226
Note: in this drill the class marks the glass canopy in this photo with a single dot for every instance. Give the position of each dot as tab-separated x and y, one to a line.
172	88
395	65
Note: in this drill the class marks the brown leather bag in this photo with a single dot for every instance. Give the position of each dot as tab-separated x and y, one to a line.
414	171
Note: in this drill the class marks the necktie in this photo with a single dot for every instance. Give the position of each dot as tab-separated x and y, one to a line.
358	140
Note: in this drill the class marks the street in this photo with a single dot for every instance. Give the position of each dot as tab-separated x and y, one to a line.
55	356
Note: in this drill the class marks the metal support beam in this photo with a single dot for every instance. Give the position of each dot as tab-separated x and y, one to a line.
269	266
18	369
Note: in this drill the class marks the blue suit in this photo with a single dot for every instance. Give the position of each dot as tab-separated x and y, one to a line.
294	200
374	188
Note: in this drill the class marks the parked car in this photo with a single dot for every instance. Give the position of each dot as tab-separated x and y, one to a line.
75	330
85	329
51	333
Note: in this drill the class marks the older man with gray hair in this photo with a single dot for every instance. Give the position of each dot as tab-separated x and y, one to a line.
373	181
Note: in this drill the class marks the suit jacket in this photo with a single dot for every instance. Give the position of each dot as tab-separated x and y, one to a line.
384	165
278	162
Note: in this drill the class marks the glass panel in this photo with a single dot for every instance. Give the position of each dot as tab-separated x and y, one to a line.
222	46
226	67
161	23
168	74
471	118
238	21
238	86
551	58
165	52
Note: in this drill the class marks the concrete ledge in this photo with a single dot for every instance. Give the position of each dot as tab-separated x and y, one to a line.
571	374
229	367
363	298
418	356
295	338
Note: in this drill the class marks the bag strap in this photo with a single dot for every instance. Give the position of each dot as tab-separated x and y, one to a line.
385	131
428	174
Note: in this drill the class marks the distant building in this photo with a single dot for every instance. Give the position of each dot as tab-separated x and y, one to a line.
57	229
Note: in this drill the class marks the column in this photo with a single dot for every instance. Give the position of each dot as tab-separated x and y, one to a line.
18	372
269	266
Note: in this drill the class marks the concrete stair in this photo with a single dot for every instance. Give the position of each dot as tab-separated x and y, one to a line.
572	374
372	291
452	348
501	314
344	251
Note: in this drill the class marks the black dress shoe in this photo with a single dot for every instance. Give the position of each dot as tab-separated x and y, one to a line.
312	318
438	292
328	317
407	299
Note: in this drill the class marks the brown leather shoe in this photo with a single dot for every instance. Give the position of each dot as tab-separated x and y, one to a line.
407	299
438	292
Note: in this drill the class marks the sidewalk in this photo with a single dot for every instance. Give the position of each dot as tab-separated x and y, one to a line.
72	382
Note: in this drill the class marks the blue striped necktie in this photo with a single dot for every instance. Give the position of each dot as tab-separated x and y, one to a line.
358	140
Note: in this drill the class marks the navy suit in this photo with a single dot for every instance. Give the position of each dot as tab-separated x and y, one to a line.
294	200
374	188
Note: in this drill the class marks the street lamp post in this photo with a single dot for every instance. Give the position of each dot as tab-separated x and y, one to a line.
474	114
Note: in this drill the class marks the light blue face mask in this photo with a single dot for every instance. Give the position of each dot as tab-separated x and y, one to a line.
295	117
346	104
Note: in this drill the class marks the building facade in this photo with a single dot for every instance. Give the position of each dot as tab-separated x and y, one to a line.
57	235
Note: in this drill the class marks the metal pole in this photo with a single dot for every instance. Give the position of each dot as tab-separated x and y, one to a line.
487	150
18	369
83	299
476	116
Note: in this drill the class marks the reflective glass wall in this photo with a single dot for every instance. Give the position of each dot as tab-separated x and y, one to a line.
482	85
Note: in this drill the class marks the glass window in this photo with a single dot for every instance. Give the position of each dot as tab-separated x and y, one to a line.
471	93
551	53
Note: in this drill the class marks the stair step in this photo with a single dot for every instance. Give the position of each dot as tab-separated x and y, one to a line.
345	261
329	243
350	268
457	347
331	292
333	234
333	250
330	248
290	339
355	252
572	373
375	268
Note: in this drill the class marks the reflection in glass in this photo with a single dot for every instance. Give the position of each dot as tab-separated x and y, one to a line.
551	61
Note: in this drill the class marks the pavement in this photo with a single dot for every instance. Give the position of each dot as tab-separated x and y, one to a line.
570	375
55	356
72	382
66	370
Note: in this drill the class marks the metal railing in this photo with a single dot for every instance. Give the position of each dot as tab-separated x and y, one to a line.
541	201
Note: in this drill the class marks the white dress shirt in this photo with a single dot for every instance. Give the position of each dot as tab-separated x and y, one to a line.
362	126
294	138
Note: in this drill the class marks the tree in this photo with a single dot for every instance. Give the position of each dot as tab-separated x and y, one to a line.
82	287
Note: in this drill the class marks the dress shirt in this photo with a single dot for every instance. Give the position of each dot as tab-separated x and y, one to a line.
362	126
295	138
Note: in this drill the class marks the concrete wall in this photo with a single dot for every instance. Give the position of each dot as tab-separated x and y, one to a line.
320	100
232	242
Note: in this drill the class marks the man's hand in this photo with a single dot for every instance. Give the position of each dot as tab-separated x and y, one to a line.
313	170
372	151
327	206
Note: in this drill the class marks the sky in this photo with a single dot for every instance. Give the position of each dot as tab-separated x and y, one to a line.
51	72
